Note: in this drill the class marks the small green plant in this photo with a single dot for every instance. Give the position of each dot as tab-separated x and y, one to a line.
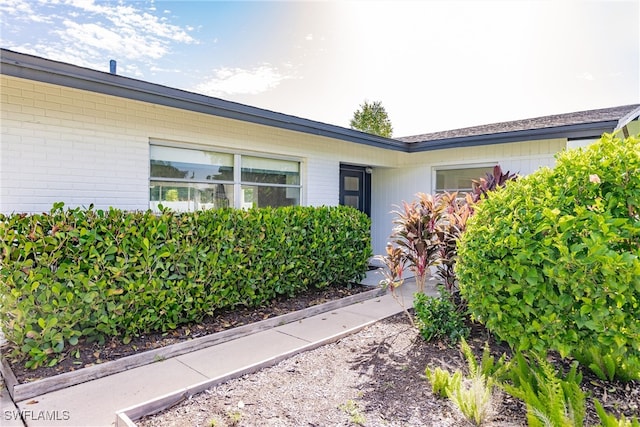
609	420
551	399
441	380
488	366
438	317
234	417
473	394
352	409
474	397
607	365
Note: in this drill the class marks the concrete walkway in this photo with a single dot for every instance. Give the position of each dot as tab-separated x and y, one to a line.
96	402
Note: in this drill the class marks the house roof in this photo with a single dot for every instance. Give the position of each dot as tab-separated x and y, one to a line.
48	71
577	125
584	124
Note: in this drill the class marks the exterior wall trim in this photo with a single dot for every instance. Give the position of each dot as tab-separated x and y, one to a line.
47	71
58	73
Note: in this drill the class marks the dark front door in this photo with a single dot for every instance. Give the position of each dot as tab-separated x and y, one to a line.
355	187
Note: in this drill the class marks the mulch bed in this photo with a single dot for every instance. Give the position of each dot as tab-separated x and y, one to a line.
619	398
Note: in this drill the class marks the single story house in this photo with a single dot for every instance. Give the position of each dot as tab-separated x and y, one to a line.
85	137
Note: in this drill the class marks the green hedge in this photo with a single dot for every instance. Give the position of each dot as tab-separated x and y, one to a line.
85	273
553	260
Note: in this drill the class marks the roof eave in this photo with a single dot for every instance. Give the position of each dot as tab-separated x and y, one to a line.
575	131
632	115
48	71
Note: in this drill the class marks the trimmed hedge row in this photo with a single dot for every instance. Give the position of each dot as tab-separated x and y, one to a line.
85	273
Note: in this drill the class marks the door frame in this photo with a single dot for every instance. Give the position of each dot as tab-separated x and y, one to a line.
364	175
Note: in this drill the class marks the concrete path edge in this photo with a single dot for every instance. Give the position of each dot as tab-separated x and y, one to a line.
127	417
20	392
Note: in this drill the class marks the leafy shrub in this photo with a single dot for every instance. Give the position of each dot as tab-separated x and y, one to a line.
457	211
427	230
493	180
79	273
438	317
552	261
415	232
448	231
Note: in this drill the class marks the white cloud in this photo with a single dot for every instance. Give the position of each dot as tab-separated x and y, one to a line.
85	32
230	81
586	76
125	42
129	18
20	10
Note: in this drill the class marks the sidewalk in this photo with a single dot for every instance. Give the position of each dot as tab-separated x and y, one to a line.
96	402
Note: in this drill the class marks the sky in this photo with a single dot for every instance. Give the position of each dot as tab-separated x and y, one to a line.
434	65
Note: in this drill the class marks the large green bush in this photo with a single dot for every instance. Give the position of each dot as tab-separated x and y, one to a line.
85	273
552	260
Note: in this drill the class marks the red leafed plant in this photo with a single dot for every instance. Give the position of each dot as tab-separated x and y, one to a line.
426	231
415	231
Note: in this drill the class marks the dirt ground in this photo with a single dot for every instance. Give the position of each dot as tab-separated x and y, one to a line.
87	354
372	378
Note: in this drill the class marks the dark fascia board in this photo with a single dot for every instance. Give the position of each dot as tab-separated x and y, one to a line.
48	71
44	70
575	131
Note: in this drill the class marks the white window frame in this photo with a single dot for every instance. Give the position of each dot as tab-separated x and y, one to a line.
436	169
237	181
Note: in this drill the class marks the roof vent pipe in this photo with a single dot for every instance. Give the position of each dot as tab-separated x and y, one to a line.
112	66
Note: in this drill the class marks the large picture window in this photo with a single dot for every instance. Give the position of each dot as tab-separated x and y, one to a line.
269	182
190	179
458	179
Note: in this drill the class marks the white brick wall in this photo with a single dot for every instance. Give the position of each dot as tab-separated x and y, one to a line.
61	144
322	182
393	186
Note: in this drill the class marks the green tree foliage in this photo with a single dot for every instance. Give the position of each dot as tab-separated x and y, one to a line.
552	261
372	118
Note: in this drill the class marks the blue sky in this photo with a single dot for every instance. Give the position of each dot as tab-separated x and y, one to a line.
433	64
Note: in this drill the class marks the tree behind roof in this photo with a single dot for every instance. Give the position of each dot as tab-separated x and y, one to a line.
372	118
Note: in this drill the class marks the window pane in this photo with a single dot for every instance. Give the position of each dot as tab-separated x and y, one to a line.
353	201
351	183
459	179
197	165
270	171
254	196
185	197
